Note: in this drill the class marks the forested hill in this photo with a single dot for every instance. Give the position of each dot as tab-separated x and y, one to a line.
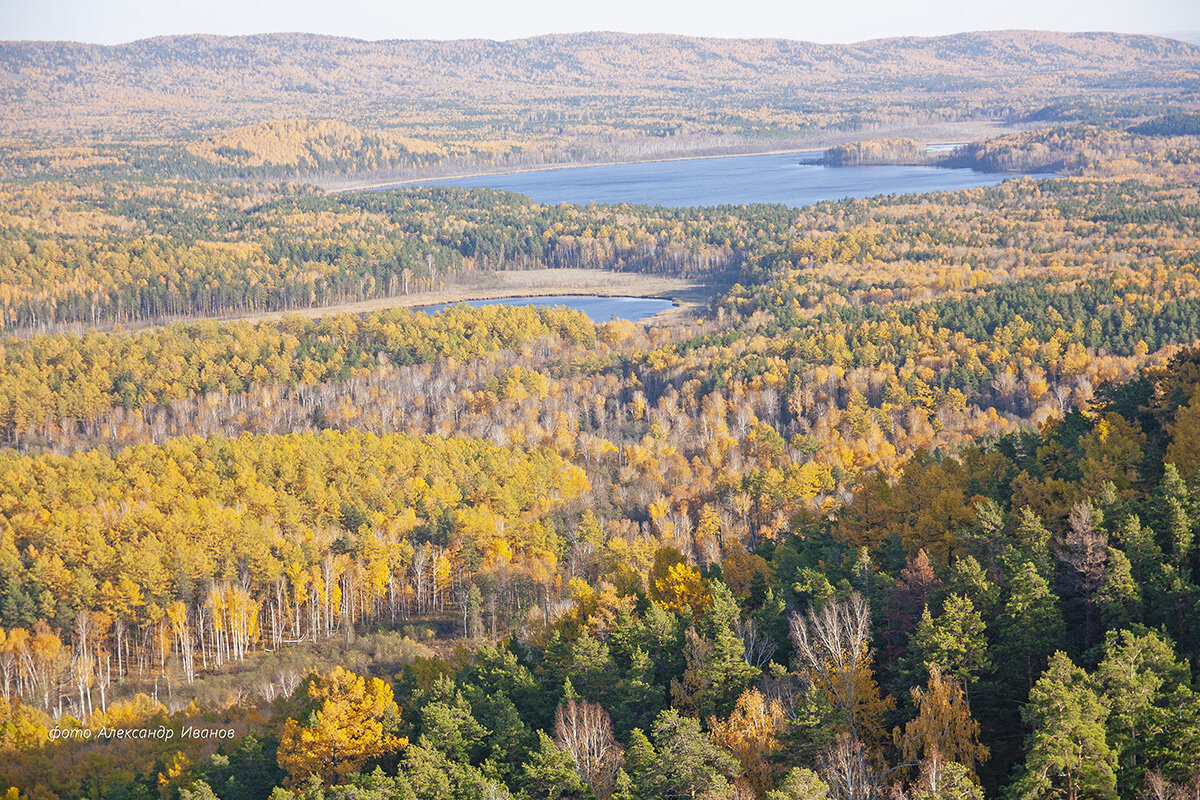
179	84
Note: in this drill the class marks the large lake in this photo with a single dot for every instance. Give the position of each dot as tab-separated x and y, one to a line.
598	309
727	180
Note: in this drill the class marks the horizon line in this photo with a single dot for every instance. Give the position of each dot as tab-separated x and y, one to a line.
1186	37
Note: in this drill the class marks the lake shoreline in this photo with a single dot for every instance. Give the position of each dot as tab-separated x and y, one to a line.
687	296
931	133
434	180
794	178
376	187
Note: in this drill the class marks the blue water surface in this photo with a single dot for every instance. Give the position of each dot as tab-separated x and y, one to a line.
791	179
598	309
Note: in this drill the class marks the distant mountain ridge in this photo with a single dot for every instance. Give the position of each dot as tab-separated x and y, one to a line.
185	84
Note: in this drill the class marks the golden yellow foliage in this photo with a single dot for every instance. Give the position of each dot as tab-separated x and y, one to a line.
344	728
682	587
749	734
943	727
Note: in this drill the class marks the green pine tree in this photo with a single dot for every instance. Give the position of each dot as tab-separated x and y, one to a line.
952	782
1030	626
1031	544
642	765
725	674
955	641
1119	599
623	788
689	764
1067	753
1154	719
1174	506
800	784
550	773
638	698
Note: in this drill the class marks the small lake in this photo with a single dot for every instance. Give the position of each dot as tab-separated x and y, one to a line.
598	309
733	180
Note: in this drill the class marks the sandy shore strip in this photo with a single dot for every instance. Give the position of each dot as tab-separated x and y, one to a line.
688	295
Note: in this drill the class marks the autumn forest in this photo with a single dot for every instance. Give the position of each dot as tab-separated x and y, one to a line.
905	508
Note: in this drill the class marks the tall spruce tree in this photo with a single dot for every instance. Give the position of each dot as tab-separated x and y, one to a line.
1030	627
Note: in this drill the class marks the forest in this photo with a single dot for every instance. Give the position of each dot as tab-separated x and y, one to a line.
1018	614
908	509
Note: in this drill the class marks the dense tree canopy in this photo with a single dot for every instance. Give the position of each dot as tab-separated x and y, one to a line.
910	508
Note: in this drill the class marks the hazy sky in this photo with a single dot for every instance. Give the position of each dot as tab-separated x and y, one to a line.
112	21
